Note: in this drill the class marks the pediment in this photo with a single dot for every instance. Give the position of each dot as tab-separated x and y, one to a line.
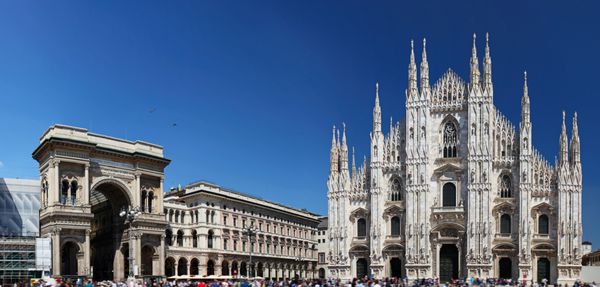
358	213
448	169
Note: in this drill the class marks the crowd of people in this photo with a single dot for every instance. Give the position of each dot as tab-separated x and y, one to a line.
363	282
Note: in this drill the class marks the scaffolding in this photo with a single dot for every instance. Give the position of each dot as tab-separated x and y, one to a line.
17	261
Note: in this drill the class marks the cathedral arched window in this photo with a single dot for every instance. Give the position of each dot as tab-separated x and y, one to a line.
395	224
361	227
505	186
505	224
449	194
450	139
395	190
543	224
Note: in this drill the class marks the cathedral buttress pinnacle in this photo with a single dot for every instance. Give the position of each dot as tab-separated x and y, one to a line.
424	71
563	158
412	75
575	147
525	106
377	111
474	63
487	65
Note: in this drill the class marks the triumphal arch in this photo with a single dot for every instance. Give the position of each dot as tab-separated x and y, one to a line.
87	181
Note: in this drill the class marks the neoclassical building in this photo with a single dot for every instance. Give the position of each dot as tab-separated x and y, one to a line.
208	234
88	179
455	189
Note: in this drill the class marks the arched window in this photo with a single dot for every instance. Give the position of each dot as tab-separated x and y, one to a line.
144	196
396	190
210	268
180	238
449	194
210	239
64	191
395	222
169	237
505	186
74	188
505	224
450	139
543	224
194	238
361	228
150	201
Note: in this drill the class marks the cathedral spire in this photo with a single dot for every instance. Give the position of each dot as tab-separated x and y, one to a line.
344	150
424	67
412	73
525	106
575	147
564	145
334	158
487	64
377	111
353	163
474	63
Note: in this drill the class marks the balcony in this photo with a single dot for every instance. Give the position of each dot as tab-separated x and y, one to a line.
449	214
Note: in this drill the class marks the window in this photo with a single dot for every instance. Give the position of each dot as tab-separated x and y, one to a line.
361	228
74	188
505	187
396	190
224	243
224	219
150	200
210	239
543	224
268	227
505	224
450	139
243	223
235	245
235	222
144	196
64	192
194	239
169	237
395	222
180	238
449	194
321	257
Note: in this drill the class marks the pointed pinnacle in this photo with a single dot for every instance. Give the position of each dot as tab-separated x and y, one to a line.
412	52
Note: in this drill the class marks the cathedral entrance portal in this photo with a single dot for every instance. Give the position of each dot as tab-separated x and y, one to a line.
396	267
362	268
107	200
505	266
543	269
448	262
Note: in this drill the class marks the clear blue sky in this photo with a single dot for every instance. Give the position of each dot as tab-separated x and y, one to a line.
255	86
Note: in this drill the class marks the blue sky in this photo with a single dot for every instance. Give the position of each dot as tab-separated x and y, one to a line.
255	86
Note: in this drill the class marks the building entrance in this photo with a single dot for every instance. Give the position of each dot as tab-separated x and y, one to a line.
448	263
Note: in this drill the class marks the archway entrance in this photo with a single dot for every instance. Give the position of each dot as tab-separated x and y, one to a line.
147	257
543	270
68	260
107	200
448	262
362	268
321	273
396	267
505	266
170	267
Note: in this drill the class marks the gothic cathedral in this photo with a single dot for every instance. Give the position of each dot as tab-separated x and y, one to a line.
455	190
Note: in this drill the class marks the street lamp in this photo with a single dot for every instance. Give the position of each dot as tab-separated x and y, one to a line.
130	214
250	230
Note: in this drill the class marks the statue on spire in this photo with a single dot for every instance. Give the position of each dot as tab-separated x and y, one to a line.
487	64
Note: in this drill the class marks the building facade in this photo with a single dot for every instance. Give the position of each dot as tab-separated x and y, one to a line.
19	209
455	189
322	248
217	231
88	180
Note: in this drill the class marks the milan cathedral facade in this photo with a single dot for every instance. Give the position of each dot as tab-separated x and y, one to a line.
455	190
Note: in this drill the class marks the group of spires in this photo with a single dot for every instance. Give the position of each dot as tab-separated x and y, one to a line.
413	88
339	151
569	156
